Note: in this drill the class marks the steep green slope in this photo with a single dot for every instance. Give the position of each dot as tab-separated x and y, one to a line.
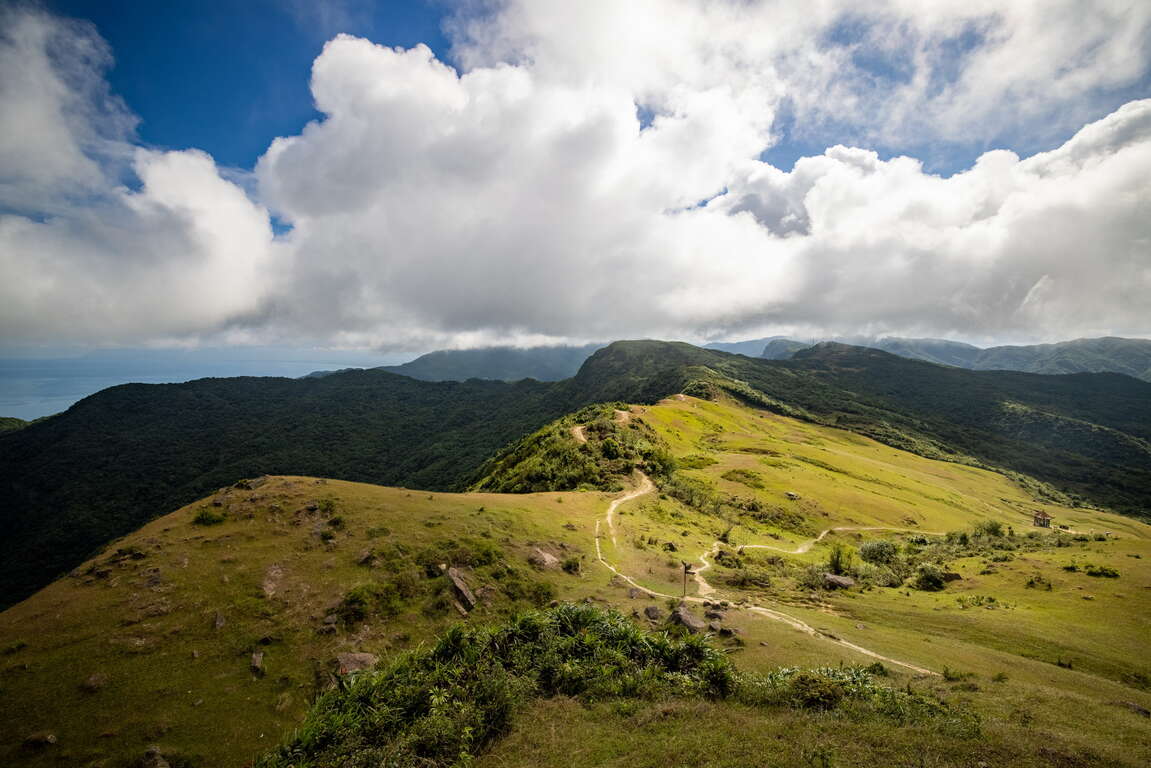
123	456
1085	434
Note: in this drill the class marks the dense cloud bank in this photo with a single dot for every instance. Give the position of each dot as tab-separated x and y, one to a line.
594	170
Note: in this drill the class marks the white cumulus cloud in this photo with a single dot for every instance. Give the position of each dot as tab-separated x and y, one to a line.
594	170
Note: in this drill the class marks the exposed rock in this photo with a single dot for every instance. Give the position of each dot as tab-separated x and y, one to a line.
793	495
713	614
653	612
952	576
331	619
688	620
1136	708
347	663
251	484
272	578
40	739
218	621
94	683
714	626
154	759
258	664
367	558
634	592
833	581
542	559
728	632
461	588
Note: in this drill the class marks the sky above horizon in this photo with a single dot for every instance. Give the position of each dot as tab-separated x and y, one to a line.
402	176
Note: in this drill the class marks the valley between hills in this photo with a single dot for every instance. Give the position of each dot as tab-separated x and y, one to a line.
848	602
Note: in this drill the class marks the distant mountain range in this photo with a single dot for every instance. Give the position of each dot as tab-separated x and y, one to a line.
497	363
553	363
1104	355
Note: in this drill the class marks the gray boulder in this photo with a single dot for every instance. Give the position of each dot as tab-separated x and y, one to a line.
463	592
653	612
834	581
688	620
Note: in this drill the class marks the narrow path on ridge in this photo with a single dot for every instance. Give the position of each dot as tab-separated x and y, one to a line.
646	486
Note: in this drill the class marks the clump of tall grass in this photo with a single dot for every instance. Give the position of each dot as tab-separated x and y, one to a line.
443	705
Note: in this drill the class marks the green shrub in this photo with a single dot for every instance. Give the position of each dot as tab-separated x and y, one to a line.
743	476
207	516
880	552
989	528
929	578
840	559
811	690
696	461
1104	571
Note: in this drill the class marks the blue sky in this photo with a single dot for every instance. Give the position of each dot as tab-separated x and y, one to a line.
228	76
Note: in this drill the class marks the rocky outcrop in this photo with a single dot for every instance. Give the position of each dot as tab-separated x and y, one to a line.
461	589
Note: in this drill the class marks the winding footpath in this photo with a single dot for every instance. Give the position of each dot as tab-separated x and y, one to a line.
705	590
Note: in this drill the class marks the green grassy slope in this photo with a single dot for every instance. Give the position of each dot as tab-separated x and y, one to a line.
1047	671
169	616
1086	434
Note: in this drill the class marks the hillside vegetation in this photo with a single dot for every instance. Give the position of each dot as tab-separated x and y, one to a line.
597	447
1016	646
73	482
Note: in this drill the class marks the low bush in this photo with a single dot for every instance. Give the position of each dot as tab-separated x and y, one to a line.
880	552
443	705
208	517
929	578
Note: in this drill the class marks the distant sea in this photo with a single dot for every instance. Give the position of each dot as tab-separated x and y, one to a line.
31	387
